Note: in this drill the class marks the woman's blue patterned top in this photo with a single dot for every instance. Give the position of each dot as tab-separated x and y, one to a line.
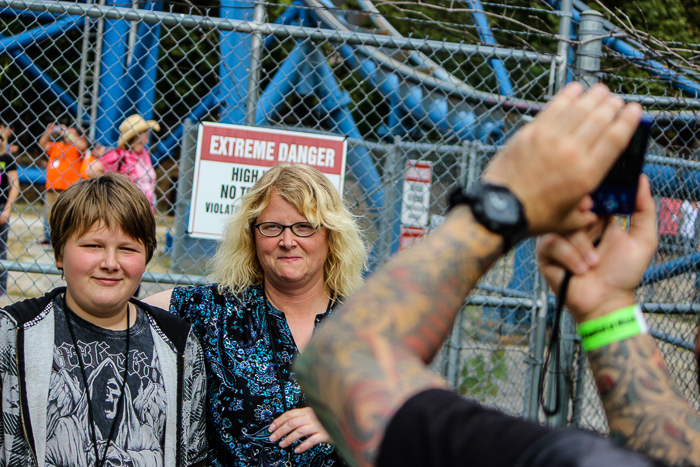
243	376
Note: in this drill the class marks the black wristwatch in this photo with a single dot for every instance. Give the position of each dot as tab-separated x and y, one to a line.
496	208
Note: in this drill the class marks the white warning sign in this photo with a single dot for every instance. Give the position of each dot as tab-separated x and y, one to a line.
231	158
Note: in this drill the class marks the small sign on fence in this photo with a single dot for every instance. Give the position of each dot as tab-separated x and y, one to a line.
231	158
415	202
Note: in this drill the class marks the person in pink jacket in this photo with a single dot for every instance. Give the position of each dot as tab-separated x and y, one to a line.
131	157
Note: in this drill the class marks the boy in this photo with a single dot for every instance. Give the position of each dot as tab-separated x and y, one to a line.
80	386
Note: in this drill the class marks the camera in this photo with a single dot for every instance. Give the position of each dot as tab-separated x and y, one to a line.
618	191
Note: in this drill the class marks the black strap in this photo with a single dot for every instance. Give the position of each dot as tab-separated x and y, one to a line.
555	346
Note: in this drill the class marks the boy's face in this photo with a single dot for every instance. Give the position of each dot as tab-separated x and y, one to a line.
103	269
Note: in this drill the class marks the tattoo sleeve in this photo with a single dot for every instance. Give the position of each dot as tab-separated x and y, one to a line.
371	356
645	410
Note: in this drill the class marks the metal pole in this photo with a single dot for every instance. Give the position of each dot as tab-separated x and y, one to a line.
453	350
589	52
537	356
579	385
97	67
254	72
391	170
563	46
588	55
469	166
566	358
82	83
184	194
560	82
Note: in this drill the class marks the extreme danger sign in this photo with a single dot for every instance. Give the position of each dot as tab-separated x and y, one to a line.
231	158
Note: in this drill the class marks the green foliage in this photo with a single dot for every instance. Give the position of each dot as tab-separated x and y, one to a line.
666	20
480	377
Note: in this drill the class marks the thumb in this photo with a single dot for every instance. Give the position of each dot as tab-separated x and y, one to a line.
643	221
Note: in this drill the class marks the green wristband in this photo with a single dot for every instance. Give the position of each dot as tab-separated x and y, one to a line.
618	325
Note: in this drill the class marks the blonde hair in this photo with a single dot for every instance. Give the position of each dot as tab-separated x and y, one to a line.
235	266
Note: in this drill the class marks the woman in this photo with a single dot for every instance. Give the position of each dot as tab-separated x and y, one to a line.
131	158
288	255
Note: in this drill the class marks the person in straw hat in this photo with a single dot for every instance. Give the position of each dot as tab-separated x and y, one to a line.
131	157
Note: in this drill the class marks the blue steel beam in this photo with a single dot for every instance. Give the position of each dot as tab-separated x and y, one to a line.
235	59
40	77
114	46
671	269
334	102
461	124
140	79
282	84
31	175
484	30
438	117
654	67
40	33
167	147
289	16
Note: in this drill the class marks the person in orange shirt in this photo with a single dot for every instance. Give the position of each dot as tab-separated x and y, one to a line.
65	148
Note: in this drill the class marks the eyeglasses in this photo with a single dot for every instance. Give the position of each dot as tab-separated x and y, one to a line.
273	229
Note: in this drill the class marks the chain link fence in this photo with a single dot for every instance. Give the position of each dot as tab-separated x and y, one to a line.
404	101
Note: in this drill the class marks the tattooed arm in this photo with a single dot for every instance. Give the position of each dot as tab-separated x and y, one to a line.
367	362
644	408
371	357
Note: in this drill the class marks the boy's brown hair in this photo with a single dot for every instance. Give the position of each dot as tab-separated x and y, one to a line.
112	199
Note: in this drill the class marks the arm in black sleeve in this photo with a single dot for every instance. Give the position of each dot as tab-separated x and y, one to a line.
439	428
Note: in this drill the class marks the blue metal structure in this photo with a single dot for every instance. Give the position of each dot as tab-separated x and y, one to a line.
113	68
128	76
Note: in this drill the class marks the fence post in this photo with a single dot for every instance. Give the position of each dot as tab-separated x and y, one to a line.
567	339
579	385
540	331
539	323
392	169
590	50
588	55
254	72
184	194
563	46
468	165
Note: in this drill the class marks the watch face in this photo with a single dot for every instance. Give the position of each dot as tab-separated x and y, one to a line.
501	207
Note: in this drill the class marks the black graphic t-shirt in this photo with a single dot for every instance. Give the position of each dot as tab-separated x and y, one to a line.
139	434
